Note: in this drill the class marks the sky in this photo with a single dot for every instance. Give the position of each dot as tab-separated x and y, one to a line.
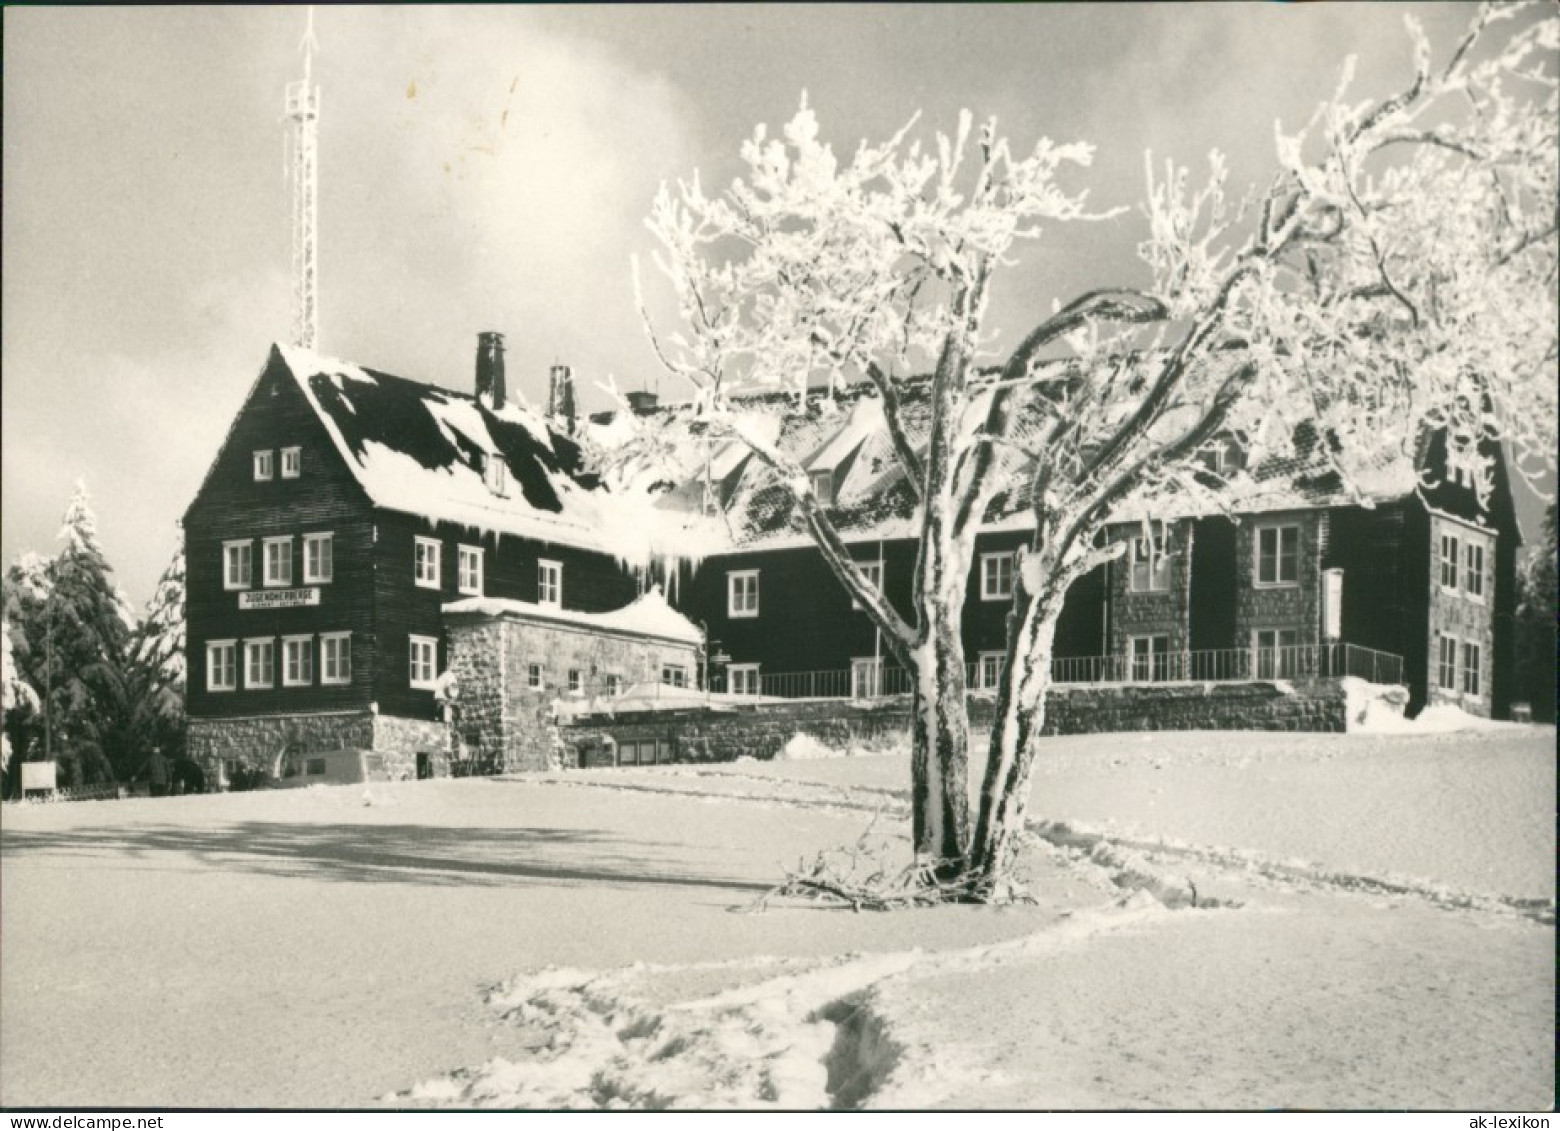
490	168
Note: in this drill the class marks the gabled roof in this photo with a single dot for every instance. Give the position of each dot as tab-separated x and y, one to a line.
423	451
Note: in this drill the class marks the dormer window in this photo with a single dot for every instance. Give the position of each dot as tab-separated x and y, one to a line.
265	466
292	463
495	474
823	487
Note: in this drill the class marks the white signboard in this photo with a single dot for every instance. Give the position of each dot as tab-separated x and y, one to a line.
38	775
1332	603
277	598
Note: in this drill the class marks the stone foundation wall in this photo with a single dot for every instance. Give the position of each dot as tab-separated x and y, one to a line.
254	744
762	730
400	740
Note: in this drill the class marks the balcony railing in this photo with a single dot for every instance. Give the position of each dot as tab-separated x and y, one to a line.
881	680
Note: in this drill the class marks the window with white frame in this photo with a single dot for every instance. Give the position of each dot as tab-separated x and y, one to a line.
221	665
1278	555
674	675
866	678
1277	652
260	662
1446	662
742	593
988	669
292	463
319	559
996	576
535	677
1150	566
872	573
1473	569
297	661
823	486
468	571
743	679
236	565
1449	561
424	653
495	473
425	562
549	582
278	561
1471	668
335	657
265	466
1150	657
576	681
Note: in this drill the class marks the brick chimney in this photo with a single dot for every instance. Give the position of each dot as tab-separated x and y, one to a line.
560	397
490	369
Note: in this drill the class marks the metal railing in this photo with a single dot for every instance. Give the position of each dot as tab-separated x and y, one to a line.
882	680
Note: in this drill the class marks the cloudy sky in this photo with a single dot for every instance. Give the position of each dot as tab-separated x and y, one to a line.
489	168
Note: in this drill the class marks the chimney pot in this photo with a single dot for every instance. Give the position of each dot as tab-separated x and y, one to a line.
490	368
560	397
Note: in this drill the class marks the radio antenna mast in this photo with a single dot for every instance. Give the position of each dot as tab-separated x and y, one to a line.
303	112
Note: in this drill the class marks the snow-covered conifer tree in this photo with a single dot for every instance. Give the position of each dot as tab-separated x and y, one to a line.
1396	276
158	653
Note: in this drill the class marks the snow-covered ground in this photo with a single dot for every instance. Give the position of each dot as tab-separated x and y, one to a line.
1374	927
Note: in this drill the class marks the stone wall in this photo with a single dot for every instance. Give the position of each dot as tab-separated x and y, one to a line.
401	740
477	661
762	730
1161	612
1291	606
254	744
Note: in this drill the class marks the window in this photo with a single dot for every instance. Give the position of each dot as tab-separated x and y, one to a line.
425	562
534	677
823	487
1277	652
1473	571
1446	662
1150	566
614	685
496	474
265	466
425	662
297	661
468	572
1278	555
549	583
996	577
873	573
1150	658
744	679
236	565
259	663
1471	669
988	670
319	564
576	681
292	462
674	675
742	593
335	657
278	561
866	678
222	665
1448	562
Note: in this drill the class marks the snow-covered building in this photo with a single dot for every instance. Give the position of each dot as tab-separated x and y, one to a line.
1412	582
347	516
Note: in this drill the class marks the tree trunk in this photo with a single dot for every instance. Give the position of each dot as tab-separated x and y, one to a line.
939	752
1021	703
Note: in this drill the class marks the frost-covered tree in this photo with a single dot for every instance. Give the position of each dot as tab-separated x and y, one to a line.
76	624
157	653
18	701
1538	617
1397	275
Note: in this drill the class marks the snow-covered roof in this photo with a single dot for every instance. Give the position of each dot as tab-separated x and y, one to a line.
648	616
423	450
